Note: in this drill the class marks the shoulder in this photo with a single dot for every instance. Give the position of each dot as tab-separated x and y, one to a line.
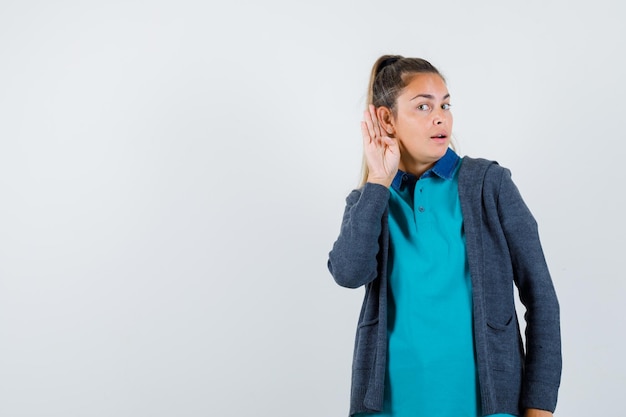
474	171
486	178
477	166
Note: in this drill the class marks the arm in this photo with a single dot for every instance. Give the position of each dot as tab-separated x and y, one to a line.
542	369
352	261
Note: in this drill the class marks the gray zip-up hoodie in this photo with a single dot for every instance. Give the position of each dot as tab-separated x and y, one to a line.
503	248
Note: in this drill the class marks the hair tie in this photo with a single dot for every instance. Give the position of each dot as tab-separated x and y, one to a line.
388	61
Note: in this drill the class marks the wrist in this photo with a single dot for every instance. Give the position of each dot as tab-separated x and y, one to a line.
386	182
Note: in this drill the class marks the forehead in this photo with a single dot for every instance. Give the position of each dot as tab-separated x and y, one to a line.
424	84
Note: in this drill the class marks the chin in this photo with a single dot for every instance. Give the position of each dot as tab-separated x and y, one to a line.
441	152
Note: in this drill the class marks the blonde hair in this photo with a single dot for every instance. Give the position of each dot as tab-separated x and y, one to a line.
390	75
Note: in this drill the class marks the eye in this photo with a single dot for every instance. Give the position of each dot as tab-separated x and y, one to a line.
446	106
424	107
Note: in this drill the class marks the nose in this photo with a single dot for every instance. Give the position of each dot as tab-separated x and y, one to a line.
439	118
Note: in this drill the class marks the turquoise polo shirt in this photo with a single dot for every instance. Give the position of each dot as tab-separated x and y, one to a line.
431	366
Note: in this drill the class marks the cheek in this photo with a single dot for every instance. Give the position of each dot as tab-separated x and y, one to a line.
413	128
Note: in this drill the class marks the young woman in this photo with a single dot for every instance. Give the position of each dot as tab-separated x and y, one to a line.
438	242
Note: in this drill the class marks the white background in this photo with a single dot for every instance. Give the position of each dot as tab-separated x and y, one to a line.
173	174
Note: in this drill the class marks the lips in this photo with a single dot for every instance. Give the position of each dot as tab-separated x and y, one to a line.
440	135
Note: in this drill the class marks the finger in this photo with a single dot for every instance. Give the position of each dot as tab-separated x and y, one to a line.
375	123
388	141
370	124
367	139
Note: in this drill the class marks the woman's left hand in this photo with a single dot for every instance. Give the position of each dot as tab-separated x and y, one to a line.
533	412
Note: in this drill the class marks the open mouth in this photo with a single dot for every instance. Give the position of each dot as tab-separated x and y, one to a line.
440	136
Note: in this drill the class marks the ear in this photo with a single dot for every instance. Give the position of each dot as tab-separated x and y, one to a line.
385	118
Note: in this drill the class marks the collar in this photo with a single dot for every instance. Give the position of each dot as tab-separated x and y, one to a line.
444	168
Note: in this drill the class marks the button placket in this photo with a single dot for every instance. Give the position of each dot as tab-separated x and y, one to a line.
419	200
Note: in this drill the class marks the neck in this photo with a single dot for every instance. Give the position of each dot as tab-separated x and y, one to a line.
414	167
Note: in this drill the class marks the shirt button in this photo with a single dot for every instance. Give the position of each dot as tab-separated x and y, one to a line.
405	177
420	209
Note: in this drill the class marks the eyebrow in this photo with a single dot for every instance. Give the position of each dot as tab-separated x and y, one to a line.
429	96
